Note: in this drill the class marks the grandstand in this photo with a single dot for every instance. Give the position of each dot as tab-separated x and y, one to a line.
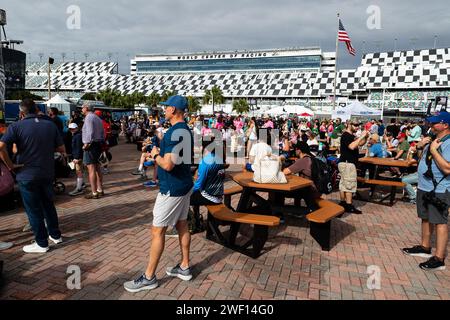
403	80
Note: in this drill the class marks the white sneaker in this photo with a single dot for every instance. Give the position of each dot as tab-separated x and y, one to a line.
56	241
5	245
35	248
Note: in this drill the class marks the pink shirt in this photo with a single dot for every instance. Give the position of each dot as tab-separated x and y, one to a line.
268	124
219	125
238	124
206	131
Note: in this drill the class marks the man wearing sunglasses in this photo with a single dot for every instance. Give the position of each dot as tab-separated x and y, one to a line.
433	197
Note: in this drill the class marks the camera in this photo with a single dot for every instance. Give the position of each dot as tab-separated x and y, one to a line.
430	198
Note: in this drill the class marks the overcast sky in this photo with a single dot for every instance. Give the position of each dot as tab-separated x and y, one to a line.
126	28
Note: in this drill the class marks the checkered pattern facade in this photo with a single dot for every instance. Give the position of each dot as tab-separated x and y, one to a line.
403	70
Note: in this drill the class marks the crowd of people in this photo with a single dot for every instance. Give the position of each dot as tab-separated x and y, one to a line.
195	176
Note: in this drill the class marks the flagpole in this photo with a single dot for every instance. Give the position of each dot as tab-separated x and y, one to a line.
335	67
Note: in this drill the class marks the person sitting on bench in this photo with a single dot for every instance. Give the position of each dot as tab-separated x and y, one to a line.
208	187
303	167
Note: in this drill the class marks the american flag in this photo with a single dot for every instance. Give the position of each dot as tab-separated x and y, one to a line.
343	36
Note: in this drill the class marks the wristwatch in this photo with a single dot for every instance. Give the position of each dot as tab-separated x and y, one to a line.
155	156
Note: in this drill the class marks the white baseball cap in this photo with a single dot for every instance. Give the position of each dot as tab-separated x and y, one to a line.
73	126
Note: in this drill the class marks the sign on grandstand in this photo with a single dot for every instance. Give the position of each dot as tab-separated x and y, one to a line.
439	105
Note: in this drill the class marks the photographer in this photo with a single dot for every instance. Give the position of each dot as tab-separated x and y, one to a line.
433	193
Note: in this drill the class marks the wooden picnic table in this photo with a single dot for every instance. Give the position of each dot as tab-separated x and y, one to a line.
276	191
392	183
388	162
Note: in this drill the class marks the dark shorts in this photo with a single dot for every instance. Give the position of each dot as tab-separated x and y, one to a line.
428	211
92	154
197	199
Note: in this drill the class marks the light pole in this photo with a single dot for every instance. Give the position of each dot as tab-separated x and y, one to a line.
435	41
212	95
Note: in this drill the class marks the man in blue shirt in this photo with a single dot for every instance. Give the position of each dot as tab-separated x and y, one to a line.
433	197
172	203
36	138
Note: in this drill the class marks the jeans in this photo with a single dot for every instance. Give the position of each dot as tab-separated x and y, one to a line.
409	180
37	198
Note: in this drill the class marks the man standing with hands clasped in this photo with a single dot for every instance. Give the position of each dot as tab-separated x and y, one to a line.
433	197
172	203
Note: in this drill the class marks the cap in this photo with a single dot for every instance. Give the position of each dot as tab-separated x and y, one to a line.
401	135
443	117
178	102
99	113
73	125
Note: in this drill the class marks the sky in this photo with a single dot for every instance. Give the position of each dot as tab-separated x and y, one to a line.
125	28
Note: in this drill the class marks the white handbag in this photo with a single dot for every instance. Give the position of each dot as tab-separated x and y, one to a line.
268	170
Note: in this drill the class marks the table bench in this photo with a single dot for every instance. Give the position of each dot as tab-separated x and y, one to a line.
221	215
320	221
385	183
228	193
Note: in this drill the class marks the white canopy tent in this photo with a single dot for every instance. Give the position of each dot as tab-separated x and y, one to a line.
289	109
355	109
59	103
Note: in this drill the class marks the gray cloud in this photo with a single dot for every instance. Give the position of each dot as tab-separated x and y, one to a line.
126	28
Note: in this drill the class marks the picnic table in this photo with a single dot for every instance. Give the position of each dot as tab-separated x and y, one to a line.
276	191
386	182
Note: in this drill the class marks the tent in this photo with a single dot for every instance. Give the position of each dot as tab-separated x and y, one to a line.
289	109
59	103
355	109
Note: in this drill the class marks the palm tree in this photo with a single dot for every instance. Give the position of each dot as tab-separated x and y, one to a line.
241	106
167	94
108	96
214	96
153	99
193	104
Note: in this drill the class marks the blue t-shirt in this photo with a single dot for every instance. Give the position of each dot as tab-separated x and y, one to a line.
426	184
177	182
36	139
376	151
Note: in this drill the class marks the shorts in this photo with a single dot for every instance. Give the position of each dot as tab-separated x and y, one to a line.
348	174
92	154
429	212
79	167
169	210
336	142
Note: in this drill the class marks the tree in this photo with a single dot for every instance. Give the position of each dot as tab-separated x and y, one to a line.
89	96
214	96
21	94
167	94
193	104
110	97
241	106
153	99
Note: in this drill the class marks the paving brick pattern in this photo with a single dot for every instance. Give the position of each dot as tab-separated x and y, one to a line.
108	239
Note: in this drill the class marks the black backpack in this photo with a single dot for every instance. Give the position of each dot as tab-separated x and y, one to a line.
321	175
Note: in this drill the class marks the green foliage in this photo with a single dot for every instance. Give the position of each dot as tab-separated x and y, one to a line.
21	94
193	104
241	106
213	96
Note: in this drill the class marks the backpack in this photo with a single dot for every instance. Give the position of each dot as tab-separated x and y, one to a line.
6	180
321	175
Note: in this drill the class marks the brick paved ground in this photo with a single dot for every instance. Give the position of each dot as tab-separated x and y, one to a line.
109	240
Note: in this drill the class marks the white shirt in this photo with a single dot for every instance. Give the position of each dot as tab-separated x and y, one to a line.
312	142
259	151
